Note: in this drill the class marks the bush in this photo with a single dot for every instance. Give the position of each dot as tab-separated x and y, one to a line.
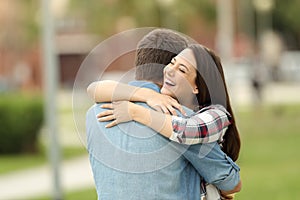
21	118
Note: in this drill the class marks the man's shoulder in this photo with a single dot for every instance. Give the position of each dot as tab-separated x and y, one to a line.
92	123
127	127
188	110
94	110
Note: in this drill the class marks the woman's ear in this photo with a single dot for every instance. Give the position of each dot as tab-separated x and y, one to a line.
195	90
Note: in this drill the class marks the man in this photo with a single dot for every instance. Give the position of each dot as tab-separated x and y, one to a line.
129	165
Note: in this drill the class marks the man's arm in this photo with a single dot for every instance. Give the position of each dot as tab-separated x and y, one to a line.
237	188
214	166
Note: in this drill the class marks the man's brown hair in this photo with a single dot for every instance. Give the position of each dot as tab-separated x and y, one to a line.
155	51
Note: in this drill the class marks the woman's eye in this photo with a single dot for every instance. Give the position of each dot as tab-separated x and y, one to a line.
182	70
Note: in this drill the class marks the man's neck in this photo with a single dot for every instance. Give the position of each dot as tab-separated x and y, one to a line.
158	84
145	84
154	82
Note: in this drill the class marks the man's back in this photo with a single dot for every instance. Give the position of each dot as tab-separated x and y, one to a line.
131	161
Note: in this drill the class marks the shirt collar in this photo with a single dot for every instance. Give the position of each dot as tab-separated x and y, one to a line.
145	84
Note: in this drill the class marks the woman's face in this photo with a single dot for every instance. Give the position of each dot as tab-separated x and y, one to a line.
180	76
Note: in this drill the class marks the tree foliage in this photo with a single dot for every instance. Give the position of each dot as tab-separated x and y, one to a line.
103	16
107	17
286	17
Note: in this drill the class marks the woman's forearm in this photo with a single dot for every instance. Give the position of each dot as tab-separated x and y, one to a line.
101	91
161	123
207	125
105	91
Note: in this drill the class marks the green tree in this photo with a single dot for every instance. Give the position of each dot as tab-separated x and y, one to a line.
286	17
102	16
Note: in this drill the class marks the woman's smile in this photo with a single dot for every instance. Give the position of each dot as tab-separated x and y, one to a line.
179	77
168	82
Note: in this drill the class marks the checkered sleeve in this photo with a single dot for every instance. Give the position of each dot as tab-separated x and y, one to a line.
205	126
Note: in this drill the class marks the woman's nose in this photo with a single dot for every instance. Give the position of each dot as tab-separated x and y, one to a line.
169	70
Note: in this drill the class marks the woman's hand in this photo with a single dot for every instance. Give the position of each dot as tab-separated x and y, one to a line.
119	112
165	104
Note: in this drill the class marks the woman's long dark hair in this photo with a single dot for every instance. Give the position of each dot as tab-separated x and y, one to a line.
231	144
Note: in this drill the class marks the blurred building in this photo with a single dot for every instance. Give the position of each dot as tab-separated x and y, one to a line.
71	51
19	56
20	51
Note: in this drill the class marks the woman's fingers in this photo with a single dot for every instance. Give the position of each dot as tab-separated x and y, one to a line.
107	105
157	108
165	109
174	103
171	110
118	112
168	106
107	118
111	124
178	107
168	109
105	113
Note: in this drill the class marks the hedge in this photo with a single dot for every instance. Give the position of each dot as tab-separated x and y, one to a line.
21	117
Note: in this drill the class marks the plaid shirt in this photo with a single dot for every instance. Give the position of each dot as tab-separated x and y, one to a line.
207	125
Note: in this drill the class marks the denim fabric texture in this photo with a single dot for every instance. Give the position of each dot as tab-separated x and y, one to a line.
131	161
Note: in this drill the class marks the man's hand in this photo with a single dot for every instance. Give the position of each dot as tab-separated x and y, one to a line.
229	194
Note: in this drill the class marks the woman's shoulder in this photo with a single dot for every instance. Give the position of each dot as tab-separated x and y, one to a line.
214	107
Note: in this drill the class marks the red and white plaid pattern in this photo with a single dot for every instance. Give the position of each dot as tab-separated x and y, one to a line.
207	125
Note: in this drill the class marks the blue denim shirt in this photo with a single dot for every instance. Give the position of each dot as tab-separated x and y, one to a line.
131	161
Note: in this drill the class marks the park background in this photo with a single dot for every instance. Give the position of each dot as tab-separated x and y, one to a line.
257	40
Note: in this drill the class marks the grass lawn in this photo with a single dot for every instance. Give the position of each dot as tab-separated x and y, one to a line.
85	194
269	160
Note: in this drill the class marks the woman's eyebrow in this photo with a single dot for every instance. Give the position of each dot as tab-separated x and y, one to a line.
174	59
184	66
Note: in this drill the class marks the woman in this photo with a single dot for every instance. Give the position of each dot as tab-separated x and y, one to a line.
195	78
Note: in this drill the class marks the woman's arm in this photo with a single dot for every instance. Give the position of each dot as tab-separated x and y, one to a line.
105	91
203	127
124	111
108	91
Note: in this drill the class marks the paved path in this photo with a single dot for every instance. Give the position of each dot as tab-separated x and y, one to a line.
26	184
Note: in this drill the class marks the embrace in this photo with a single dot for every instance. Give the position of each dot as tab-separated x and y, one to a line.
171	133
